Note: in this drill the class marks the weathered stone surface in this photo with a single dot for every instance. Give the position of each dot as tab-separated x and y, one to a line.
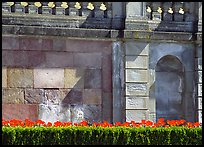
52	78
199	89
136	89
107	73
24	59
52	113
136	48
136	62
13	96
199	64
92	113
4	77
20	111
10	42
136	115
20	77
59	44
200	103
92	79
107	106
73	96
74	78
136	102
34	96
88	46
90	60
135	75
55	96
30	43
92	96
200	76
59	59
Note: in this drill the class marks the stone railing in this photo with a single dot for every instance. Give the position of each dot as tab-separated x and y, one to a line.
169	11
86	9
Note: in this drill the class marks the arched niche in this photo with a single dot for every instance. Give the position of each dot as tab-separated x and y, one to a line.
169	88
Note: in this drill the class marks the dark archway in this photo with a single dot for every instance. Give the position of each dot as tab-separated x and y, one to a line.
169	88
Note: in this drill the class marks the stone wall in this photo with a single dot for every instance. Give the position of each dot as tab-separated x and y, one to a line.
50	78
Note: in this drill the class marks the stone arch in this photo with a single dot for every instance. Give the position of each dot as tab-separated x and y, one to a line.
169	88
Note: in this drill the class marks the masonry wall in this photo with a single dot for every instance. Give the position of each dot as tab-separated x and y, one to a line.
49	78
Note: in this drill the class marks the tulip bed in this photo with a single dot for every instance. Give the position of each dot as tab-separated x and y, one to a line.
170	132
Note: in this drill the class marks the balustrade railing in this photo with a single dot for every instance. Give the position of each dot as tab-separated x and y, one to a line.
169	11
83	9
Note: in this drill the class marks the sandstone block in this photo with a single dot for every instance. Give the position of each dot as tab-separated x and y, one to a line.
19	77
92	96
13	96
4	77
34	96
92	79
136	62
49	78
136	115
135	75
74	78
136	89
90	60
136	102
20	111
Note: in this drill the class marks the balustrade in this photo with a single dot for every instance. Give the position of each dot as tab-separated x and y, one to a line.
84	9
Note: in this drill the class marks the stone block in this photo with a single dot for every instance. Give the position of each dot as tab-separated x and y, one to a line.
55	96
19	77
59	59
92	79
4	77
13	96
23	58
30	43
199	64
199	89
73	96
200	76
10	43
92	96
92	113
107	73
52	113
133	102
49	78
136	89
90	60
136	48
59	44
74	78
34	96
136	62
136	115
135	75
20	111
200	103
200	116
88	46
107	106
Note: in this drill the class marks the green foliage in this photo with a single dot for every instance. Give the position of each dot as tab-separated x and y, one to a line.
78	135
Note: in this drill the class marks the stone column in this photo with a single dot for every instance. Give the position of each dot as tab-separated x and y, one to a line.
118	80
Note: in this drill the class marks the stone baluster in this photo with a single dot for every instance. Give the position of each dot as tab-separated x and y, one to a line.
187	14
62	8
167	11
107	9
99	13
85	11
48	8
149	10
33	8
7	6
157	11
179	11
75	8
20	7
